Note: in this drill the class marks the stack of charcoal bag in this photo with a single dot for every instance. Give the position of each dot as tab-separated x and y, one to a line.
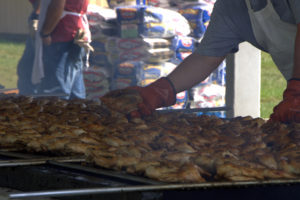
102	23
134	44
150	32
210	92
140	43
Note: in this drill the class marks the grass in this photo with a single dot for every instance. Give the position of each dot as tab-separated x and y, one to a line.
11	49
272	83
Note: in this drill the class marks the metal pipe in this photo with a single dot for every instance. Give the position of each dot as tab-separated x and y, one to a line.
38	161
18	155
193	110
109	173
88	191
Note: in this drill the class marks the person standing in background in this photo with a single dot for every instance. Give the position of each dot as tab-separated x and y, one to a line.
25	65
65	37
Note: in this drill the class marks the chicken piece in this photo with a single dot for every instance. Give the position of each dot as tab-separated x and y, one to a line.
34	145
90	117
8	140
153	155
252	147
162	173
178	157
141	166
123	101
211	134
229	170
8	106
116	142
86	138
54	144
131	151
139	138
190	173
227	154
295	136
95	151
77	147
77	131
141	126
290	166
231	140
144	147
258	122
61	103
167	173
68	133
95	127
26	136
177	134
12	116
24	123
25	100
255	138
184	148
290	153
56	127
33	110
166	142
268	160
277	174
206	162
199	142
106	162
123	162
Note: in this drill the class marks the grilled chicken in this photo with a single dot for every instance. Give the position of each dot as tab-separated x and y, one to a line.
169	147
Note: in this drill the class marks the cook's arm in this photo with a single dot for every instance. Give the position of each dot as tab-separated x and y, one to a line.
288	110
54	12
193	70
162	93
36	6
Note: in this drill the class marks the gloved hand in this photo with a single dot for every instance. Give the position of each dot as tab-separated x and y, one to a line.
80	40
160	93
288	110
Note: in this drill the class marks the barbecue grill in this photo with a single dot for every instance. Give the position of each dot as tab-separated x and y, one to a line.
72	178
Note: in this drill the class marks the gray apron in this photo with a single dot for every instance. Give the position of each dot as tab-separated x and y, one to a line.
275	36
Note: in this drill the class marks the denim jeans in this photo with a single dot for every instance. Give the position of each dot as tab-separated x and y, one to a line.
24	69
63	67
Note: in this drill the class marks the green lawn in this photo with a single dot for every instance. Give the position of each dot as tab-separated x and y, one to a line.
11	49
272	83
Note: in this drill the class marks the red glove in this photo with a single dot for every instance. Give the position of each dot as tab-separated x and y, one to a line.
160	93
288	110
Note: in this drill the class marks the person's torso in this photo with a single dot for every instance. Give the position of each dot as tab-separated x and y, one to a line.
32	1
237	16
273	33
67	28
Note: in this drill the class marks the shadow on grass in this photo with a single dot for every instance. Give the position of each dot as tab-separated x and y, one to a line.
16	38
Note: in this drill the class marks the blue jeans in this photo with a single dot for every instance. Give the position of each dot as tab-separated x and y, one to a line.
63	67
24	69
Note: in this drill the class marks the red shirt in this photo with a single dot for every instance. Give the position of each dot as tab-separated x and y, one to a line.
67	27
32	1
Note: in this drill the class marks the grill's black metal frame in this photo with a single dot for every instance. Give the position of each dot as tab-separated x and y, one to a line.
65	178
